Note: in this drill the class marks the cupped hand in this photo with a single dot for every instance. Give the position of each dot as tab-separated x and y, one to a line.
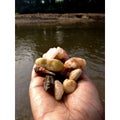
83	104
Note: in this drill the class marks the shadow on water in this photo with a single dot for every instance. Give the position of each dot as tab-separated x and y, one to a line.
80	40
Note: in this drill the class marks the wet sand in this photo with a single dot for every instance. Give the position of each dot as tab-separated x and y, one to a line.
63	19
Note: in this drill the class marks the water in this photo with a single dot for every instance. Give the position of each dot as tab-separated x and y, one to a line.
81	40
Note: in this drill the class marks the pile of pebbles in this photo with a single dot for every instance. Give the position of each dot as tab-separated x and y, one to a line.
60	71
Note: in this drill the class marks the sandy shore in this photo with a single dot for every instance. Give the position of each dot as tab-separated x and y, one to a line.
48	19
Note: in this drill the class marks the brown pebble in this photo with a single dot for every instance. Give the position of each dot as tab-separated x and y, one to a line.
58	90
69	85
75	74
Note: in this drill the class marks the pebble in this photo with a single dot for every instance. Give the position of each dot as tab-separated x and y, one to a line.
58	90
54	65
69	85
75	74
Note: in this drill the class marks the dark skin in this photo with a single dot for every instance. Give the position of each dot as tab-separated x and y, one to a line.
82	104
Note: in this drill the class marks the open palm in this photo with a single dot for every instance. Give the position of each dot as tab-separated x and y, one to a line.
82	104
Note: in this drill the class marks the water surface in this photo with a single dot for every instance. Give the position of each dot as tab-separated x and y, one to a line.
84	40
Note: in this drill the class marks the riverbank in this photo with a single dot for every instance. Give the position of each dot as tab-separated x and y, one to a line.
51	19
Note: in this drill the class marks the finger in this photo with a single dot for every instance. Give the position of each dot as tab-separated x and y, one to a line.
40	100
84	79
84	76
36	80
36	84
34	74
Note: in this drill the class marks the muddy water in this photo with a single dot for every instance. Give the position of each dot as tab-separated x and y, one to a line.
80	40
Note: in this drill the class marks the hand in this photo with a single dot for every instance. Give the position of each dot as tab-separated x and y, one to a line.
82	104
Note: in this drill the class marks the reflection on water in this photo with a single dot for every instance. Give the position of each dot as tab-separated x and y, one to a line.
80	40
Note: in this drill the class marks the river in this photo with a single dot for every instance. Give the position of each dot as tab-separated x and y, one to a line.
86	40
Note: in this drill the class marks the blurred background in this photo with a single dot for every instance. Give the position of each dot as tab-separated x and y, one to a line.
59	6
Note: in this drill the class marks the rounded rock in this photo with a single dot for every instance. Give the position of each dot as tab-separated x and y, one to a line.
75	62
69	85
50	64
75	74
58	90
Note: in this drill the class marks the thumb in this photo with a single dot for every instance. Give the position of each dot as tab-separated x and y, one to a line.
40	100
36	84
